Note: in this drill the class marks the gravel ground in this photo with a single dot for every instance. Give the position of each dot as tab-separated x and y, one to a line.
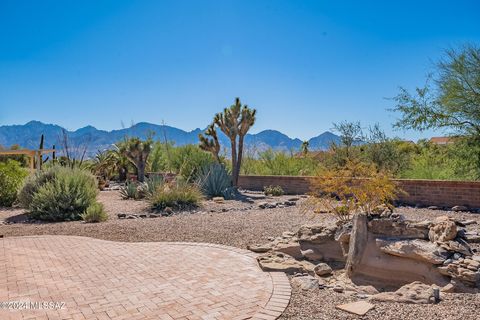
239	224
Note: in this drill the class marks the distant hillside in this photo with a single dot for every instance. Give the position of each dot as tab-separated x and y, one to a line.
28	136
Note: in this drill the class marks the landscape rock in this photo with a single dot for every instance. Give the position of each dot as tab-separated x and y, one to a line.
277	261
323	269
416	249
397	227
472	236
359	308
218	199
415	292
459	208
338	289
259	248
457	246
463	270
464	223
306	282
442	230
319	242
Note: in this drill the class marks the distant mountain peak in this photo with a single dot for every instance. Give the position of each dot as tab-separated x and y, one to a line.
28	135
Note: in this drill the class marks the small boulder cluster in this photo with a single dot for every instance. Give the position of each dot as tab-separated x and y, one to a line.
279	204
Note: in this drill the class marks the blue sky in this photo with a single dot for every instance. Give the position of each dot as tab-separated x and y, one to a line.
301	64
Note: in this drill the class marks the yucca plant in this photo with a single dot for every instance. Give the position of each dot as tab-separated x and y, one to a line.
215	181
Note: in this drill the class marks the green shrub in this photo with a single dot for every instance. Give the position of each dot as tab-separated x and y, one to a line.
95	213
12	176
59	194
179	196
215	181
273	191
130	191
278	163
187	161
148	188
34	183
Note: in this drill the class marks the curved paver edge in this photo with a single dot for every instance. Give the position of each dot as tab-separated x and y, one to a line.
281	289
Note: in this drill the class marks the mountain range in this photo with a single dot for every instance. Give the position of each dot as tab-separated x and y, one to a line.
93	139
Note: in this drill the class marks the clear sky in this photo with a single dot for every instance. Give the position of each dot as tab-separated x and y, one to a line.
302	64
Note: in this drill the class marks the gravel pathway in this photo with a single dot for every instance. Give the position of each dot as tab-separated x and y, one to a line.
239	224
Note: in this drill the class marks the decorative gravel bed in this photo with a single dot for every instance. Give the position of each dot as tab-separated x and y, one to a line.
240	223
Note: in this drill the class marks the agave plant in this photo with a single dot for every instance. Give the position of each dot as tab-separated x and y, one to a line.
215	181
130	191
150	186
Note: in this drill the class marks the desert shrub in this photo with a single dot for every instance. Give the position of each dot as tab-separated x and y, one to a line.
186	161
12	176
176	195
150	186
130	191
356	187
215	181
95	213
273	191
59	194
270	162
35	182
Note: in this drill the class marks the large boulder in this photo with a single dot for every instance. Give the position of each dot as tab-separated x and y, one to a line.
442	230
415	249
277	261
317	242
368	264
398	227
416	292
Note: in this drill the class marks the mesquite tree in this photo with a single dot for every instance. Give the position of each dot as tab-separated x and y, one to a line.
137	151
451	101
234	122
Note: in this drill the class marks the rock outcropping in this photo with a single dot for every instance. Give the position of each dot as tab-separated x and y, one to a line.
386	251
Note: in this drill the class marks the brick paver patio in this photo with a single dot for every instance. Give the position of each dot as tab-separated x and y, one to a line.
85	278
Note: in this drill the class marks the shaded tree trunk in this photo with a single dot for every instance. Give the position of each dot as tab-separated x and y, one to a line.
141	171
234	160
239	159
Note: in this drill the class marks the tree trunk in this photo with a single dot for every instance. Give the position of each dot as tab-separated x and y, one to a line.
239	158
141	171
122	173
234	160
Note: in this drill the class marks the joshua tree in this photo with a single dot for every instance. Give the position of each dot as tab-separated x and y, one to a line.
137	151
234	122
304	147
211	145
